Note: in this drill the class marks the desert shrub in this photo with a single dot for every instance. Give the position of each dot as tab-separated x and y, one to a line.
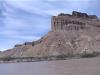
61	56
86	54
6	58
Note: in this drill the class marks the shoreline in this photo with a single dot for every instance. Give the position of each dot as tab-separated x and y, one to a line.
38	59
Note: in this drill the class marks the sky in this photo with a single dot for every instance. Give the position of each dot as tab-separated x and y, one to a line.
28	20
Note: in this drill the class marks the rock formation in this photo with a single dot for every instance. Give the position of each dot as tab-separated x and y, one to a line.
69	35
75	21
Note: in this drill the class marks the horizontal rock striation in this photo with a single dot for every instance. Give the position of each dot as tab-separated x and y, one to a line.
77	21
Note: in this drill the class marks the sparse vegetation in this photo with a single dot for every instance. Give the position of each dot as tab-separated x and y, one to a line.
87	55
49	58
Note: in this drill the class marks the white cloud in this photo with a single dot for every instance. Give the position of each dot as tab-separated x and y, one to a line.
30	19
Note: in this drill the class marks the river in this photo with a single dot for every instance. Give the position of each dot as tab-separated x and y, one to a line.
84	66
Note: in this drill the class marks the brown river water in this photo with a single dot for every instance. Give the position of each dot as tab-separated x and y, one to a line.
84	66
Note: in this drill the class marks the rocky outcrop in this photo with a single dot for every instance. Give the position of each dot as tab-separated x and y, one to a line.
76	21
79	15
18	45
28	43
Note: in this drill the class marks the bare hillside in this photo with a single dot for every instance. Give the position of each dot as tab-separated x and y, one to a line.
70	35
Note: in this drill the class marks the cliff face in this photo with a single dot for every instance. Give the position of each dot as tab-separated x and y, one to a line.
63	40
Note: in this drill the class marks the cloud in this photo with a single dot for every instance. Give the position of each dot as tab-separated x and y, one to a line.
27	20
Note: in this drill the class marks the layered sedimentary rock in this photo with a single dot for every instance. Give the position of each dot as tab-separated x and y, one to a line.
70	34
75	21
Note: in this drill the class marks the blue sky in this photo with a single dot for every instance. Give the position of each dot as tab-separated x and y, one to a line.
28	20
